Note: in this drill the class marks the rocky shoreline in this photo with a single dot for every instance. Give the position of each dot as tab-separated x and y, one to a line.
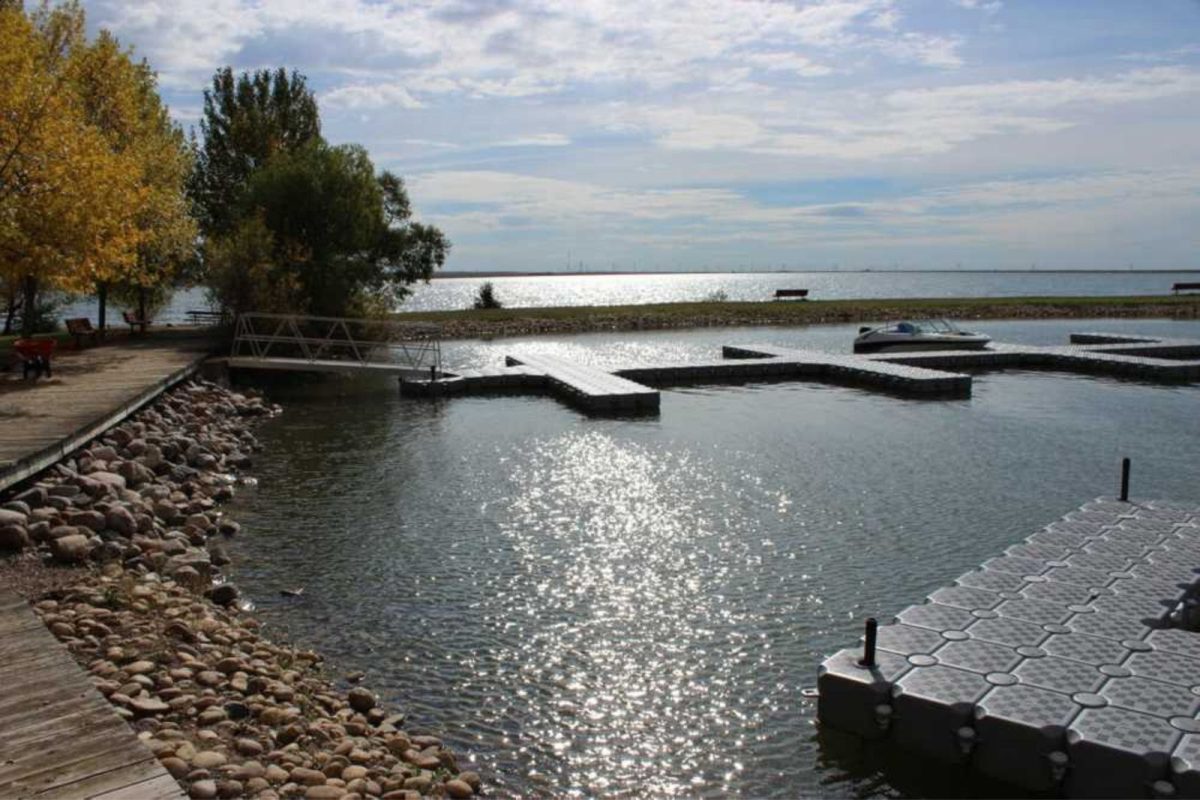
119	548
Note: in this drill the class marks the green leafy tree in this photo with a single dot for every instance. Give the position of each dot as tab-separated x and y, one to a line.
247	120
486	298
321	232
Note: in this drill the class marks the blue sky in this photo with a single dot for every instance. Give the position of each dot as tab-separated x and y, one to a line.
707	133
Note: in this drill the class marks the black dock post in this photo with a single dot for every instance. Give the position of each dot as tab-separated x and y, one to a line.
1124	480
868	659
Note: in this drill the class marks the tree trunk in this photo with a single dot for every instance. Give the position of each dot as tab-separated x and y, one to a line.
12	306
142	306
29	287
102	314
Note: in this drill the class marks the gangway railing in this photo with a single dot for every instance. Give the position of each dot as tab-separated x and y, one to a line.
323	340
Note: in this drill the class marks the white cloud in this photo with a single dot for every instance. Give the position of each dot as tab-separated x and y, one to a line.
911	122
519	48
536	140
370	96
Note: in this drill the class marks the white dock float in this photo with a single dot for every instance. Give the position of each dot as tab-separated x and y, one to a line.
592	389
1069	664
860	370
920	374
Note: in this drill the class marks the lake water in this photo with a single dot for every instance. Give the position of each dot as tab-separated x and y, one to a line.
632	607
581	290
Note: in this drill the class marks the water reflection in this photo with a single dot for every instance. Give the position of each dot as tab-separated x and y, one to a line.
633	607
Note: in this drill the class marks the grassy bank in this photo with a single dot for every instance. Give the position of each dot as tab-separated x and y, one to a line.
578	319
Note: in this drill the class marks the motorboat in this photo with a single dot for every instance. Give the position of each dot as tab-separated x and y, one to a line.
926	334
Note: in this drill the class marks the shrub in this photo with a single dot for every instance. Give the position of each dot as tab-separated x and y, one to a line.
487	297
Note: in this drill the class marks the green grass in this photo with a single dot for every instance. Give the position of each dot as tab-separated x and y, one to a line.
795	312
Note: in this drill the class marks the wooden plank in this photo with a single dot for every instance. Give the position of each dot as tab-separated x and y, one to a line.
59	737
161	787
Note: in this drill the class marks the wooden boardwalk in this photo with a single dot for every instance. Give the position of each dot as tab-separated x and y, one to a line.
59	738
93	389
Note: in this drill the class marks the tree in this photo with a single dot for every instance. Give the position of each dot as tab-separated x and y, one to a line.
487	297
340	239
246	122
120	99
64	192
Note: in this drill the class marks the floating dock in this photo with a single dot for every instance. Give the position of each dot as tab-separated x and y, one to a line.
1068	664
626	390
590	388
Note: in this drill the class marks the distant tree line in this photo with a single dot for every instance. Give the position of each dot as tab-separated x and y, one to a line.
102	193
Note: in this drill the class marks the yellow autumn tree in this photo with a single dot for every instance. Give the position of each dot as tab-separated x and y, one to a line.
62	188
91	169
120	98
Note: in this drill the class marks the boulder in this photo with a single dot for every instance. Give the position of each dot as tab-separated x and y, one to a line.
92	520
361	700
121	520
9	517
109	479
225	594
34	497
13	538
70	549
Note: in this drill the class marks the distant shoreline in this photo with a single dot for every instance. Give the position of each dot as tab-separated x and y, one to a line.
470	274
474	324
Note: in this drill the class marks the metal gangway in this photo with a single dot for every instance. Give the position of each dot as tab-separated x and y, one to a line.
335	344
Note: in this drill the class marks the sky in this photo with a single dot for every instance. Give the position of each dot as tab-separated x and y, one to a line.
709	134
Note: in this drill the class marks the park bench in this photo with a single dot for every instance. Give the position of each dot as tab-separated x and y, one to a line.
1185	287
81	328
35	356
783	294
134	321
199	317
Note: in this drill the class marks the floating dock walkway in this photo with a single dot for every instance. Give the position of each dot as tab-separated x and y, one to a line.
628	390
1069	664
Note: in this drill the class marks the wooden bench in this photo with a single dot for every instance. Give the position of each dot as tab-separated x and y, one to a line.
782	294
1185	287
134	321
81	328
198	317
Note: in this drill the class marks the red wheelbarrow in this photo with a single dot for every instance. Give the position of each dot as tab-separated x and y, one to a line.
35	356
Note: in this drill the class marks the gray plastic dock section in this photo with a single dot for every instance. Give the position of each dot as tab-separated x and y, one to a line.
590	388
917	374
1068	664
858	370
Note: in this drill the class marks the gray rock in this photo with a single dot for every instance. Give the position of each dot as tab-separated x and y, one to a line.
110	479
18	506
361	700
9	517
13	538
70	549
121	520
35	497
224	594
92	520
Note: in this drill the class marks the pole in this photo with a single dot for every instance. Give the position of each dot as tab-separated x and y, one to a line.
868	659
1124	480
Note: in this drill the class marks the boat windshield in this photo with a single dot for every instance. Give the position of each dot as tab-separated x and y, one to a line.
924	326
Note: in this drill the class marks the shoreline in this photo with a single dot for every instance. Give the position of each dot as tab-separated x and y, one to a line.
476	324
119	548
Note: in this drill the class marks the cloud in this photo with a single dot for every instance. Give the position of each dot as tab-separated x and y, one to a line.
536	140
370	96
519	48
909	122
